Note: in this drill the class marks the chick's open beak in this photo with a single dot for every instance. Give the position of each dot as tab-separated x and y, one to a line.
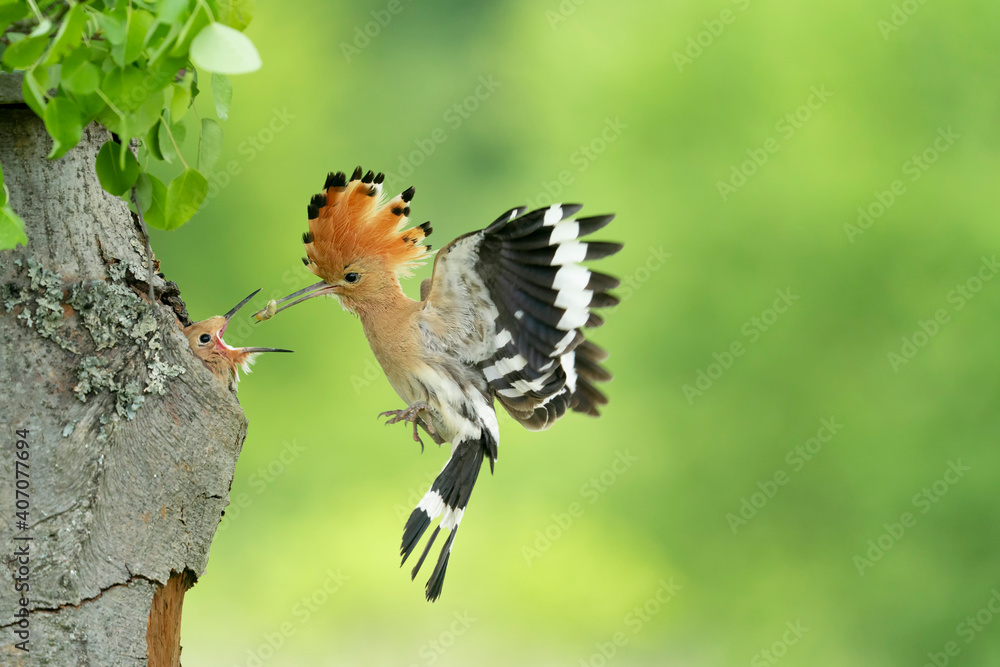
242	303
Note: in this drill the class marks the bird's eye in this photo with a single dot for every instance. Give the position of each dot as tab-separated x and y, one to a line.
352	277
204	338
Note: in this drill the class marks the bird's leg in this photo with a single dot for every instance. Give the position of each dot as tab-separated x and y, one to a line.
412	415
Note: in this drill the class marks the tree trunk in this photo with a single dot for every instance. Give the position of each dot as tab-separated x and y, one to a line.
130	441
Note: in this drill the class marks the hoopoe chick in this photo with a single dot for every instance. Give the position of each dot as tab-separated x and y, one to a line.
205	339
501	318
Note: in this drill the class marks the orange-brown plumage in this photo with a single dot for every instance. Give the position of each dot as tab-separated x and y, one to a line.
347	224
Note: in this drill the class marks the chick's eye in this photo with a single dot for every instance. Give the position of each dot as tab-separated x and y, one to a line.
204	338
352	277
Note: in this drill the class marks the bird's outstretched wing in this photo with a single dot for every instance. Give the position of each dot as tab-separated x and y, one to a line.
513	299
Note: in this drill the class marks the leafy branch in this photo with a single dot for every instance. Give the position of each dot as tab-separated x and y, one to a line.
133	66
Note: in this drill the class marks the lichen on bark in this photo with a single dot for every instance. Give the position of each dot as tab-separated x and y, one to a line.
133	442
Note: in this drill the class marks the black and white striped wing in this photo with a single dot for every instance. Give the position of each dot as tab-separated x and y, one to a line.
540	298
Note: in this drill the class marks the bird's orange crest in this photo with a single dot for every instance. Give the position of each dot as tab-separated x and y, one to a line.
347	222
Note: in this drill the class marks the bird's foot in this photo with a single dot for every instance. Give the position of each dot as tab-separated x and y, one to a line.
412	415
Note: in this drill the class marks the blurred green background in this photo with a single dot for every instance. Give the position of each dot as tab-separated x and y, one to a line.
868	552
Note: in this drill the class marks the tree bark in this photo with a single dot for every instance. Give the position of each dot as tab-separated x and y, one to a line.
131	441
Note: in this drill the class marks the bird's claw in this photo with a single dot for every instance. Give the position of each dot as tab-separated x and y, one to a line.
411	415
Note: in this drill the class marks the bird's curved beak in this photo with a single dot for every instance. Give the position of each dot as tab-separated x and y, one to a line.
316	289
255	350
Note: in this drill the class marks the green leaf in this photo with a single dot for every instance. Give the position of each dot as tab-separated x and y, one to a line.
130	87
64	124
143	191
143	118
209	145
154	213
84	80
112	176
139	26
235	13
124	87
168	11
152	141
166	146
10	11
185	195
113	25
165	69
222	93
44	28
79	75
100	48
179	130
75	59
91	105
134	122
3	189
53	75
181	99
69	35
138	23
195	23
159	38
221	49
24	53
11	229
32	91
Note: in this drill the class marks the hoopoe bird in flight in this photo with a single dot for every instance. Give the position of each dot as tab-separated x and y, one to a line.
205	339
500	318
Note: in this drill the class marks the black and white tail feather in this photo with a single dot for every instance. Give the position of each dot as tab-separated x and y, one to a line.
521	282
448	497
